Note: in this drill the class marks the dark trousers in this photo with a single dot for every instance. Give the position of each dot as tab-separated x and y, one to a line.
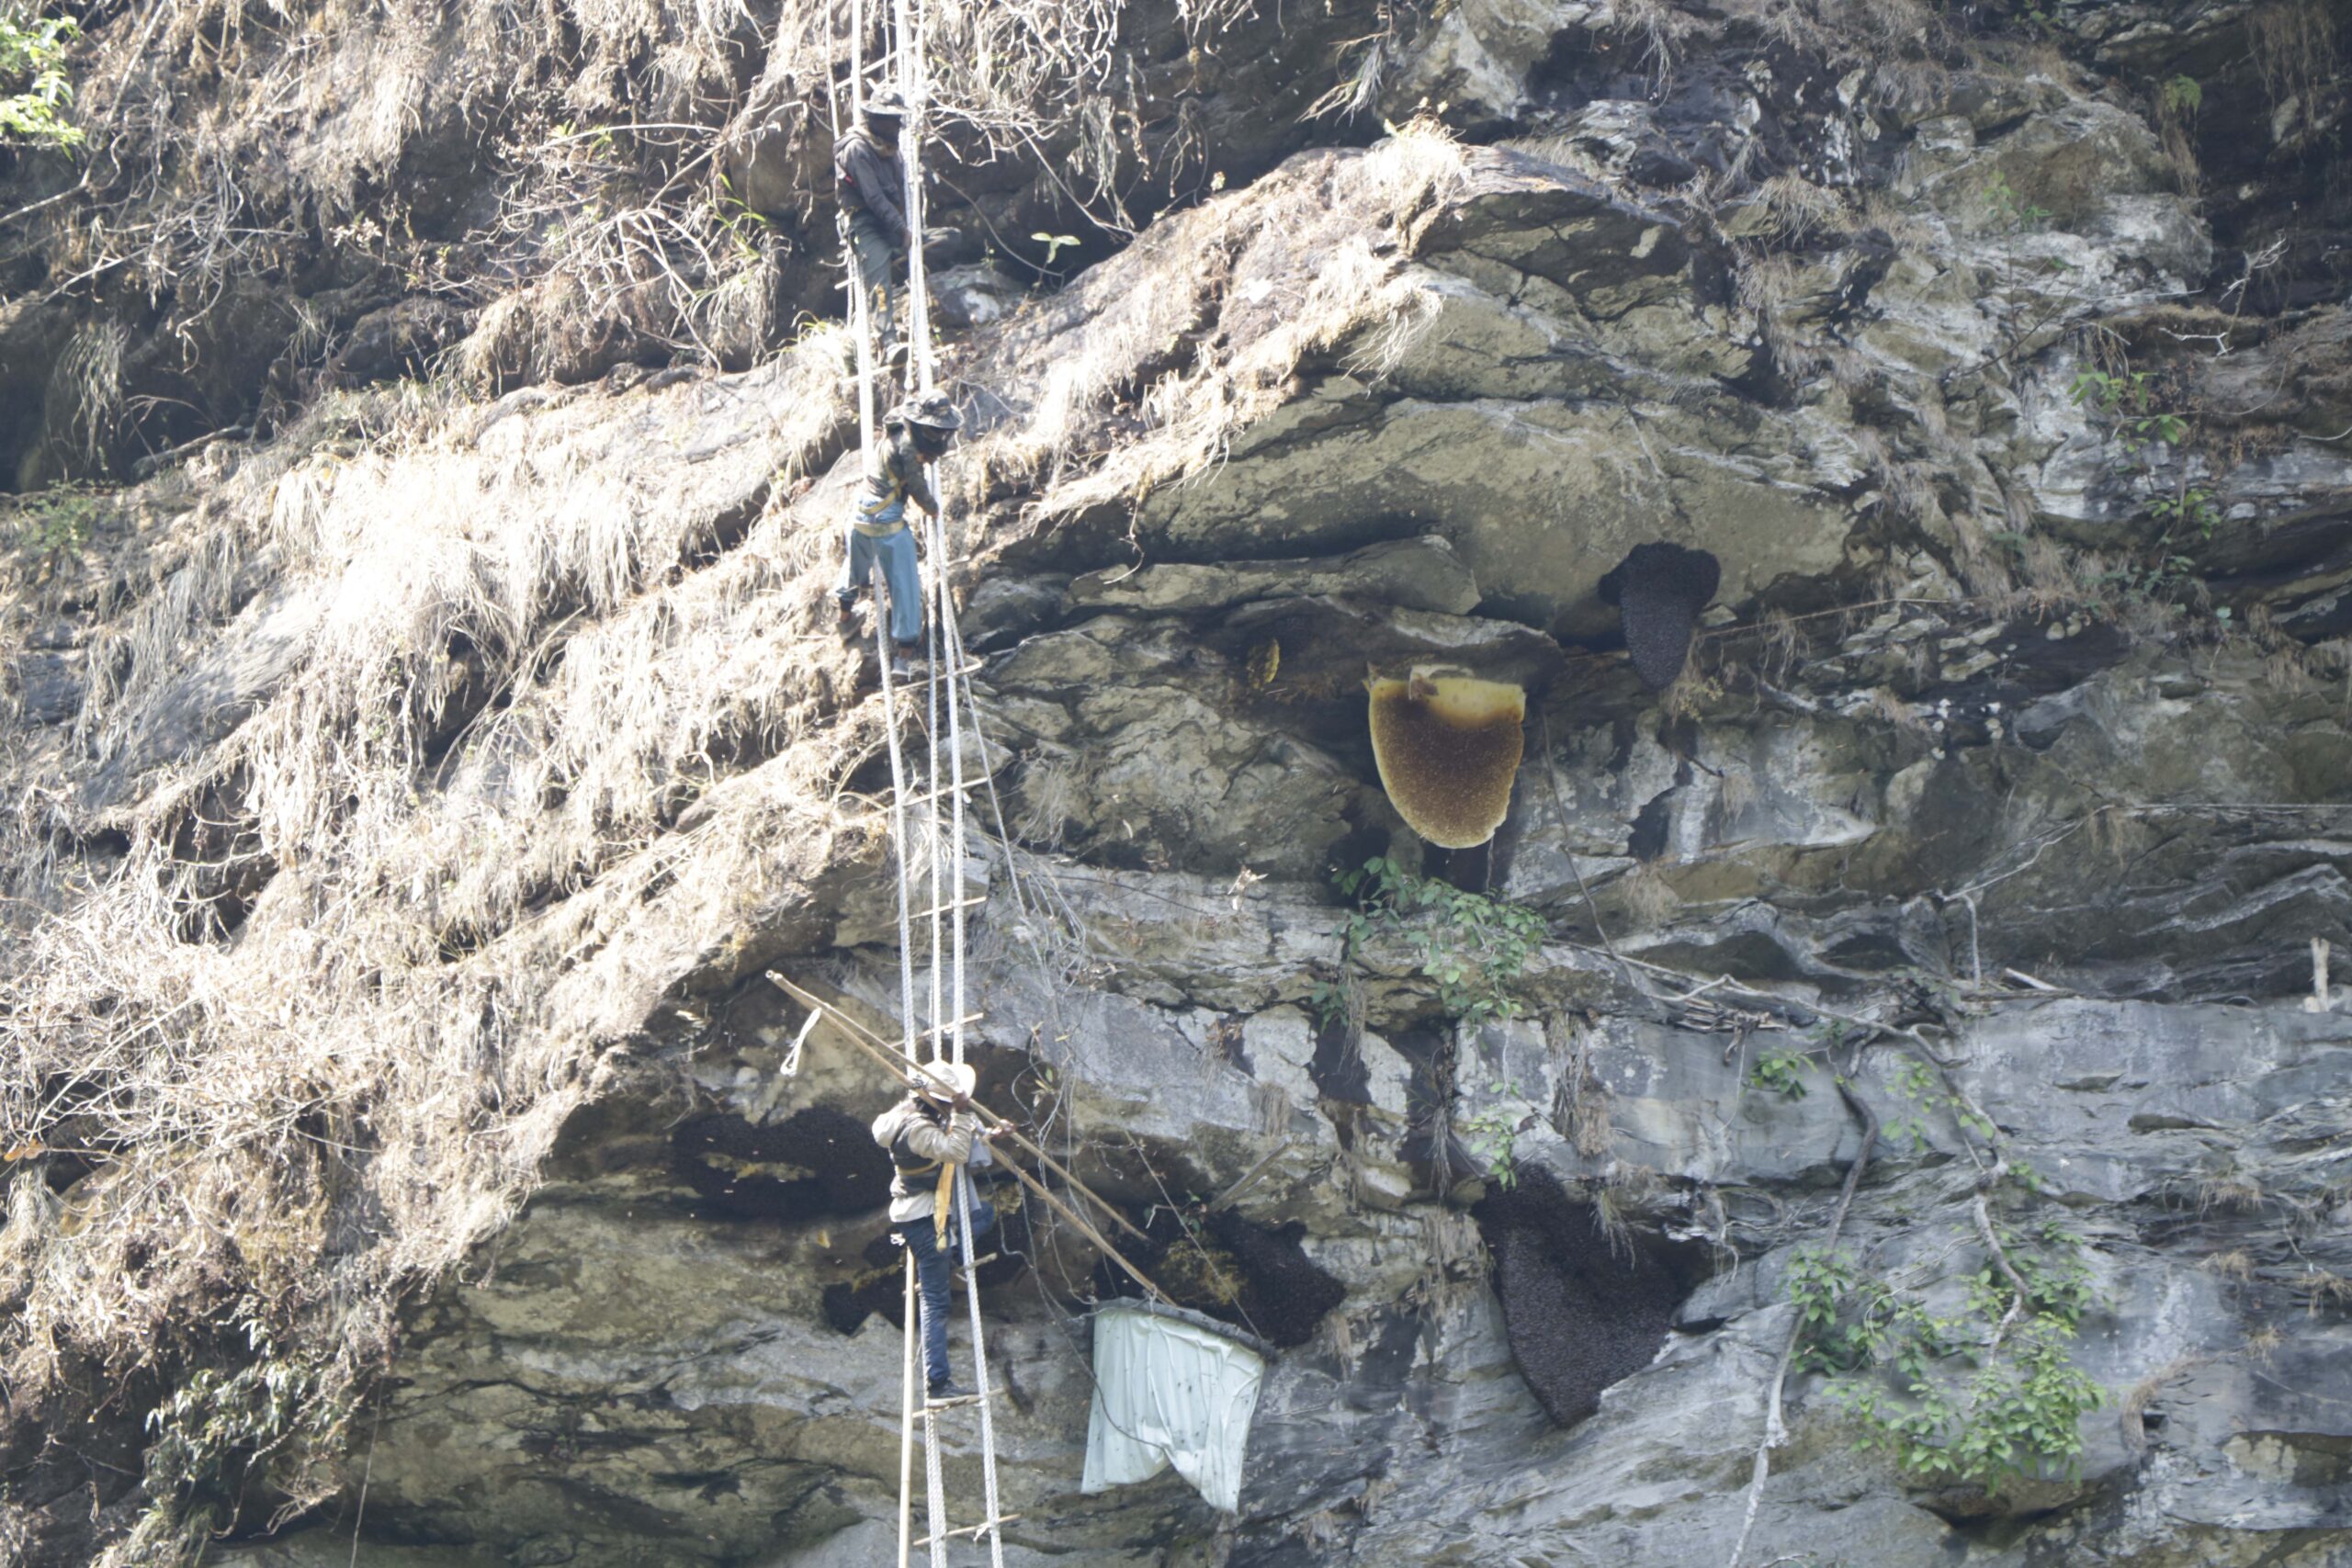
875	255
931	1275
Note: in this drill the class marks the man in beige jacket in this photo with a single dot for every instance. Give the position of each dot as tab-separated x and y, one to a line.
932	1136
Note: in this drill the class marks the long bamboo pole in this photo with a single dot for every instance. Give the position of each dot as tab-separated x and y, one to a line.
896	1066
998	1124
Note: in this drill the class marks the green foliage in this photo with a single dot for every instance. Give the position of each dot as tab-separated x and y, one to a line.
2127	400
2013	212
1973	1398
1329	1000
1054	243
219	1430
1820	1285
1470	946
2019	266
2019	1416
742	223
2040	15
2191	506
1494	1135
1925	1097
34	87
49	528
2181	97
1781	1072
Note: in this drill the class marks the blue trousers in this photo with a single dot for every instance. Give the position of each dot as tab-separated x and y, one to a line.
930	1278
897	554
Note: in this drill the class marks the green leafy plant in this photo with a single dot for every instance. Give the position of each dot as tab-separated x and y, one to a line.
2181	97
1925	1097
742	223
2022	270
220	1429
1493	1135
34	87
1329	1000
1782	1072
2128	399
49	528
1054	245
1471	947
2191	506
1973	1398
2012	210
2128	402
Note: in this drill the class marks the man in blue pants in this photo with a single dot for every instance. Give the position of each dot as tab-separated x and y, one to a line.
914	434
933	1138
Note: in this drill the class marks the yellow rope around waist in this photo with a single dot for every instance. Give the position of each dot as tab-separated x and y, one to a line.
941	1196
881	530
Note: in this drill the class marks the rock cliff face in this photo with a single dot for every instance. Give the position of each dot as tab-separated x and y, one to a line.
408	1158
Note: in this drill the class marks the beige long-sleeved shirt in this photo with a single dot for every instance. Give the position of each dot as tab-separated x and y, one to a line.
905	1131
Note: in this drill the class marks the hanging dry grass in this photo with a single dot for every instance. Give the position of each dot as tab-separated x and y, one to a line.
1170	351
274	1085
590	145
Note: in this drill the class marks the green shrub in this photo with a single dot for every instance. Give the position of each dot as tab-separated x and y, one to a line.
1971	1399
1781	1072
1493	1135
34	87
49	528
1470	946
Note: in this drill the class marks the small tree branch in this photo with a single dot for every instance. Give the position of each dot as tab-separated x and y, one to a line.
1775	1432
2001	1258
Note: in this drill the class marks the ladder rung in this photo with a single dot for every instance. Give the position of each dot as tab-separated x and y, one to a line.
913	679
930	796
973	1531
930	1405
950	909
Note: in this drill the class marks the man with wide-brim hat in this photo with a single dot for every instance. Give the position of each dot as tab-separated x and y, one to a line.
932	1136
870	182
915	434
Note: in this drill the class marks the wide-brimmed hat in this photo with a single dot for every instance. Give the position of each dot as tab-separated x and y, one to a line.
945	1080
886	105
932	412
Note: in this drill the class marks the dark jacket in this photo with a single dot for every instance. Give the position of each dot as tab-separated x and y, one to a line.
893	477
866	178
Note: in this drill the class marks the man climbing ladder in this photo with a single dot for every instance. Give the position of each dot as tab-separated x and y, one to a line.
933	1137
914	434
870	182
